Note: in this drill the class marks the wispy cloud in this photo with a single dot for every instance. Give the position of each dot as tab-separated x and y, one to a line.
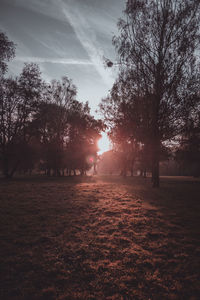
46	7
65	37
65	61
87	38
82	22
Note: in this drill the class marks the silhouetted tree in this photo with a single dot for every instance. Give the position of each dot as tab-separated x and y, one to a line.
67	132
83	136
19	101
50	134
188	152
43	124
156	45
129	121
7	52
109	163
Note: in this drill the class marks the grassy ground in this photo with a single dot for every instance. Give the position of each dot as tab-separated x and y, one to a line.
100	238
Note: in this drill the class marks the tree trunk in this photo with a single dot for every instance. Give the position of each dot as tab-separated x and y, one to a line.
124	173
5	167
7	172
156	134
95	169
155	174
14	169
132	167
155	164
131	172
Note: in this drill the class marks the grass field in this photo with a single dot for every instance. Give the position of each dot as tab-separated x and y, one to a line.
99	238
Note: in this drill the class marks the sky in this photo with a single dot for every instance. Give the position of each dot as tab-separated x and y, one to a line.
66	38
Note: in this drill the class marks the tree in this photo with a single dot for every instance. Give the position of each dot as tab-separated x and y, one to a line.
19	102
188	152
129	121
67	132
43	123
156	45
83	137
52	123
7	52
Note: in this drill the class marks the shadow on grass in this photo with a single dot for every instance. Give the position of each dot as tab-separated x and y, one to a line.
99	238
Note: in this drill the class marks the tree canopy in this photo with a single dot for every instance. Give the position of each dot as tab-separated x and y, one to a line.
158	80
43	125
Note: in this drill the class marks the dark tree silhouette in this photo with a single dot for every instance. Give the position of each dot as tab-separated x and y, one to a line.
188	152
52	123
19	102
67	132
7	52
156	46
128	117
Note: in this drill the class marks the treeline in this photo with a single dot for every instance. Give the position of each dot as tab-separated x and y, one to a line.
153	109
43	125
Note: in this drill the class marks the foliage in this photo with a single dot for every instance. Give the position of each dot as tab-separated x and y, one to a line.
7	52
19	102
43	125
159	73
188	153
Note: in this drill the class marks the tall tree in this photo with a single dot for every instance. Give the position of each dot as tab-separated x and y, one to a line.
52	122
157	44
188	152
19	102
129	121
7	52
67	132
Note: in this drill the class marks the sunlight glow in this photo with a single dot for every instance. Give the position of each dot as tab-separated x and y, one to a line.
91	159
104	143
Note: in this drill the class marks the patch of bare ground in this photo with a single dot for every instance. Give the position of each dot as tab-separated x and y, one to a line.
102	238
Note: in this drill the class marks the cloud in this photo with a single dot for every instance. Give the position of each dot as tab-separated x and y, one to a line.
65	37
85	24
45	7
65	61
86	36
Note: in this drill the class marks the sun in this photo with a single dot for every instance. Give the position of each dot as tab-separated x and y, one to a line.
104	143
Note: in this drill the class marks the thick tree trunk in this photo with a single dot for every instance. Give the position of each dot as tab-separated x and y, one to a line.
14	169
5	167
156	134
7	172
123	172
155	164
132	167
95	169
155	174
